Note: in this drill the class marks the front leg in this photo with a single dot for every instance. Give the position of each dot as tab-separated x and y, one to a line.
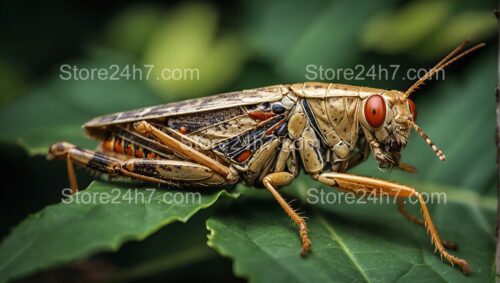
421	222
359	184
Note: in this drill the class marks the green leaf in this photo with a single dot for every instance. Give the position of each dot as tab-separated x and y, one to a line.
351	242
186	248
100	218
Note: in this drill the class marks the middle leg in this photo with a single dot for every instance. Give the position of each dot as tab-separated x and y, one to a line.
282	179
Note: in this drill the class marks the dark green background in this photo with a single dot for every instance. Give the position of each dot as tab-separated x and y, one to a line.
236	45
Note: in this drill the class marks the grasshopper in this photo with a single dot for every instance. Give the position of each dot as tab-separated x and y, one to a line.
264	137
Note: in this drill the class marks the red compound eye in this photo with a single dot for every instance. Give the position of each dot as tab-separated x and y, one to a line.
375	111
413	109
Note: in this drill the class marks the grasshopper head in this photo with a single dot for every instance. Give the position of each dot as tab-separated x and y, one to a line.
386	120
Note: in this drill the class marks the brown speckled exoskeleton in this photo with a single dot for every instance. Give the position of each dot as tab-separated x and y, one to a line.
263	137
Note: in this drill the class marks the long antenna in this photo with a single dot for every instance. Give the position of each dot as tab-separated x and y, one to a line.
421	132
442	64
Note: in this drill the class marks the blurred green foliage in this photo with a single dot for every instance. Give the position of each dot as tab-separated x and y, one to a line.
427	27
189	39
397	31
238	45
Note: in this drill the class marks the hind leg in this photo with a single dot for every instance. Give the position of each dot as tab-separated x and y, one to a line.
174	172
145	128
84	158
160	171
